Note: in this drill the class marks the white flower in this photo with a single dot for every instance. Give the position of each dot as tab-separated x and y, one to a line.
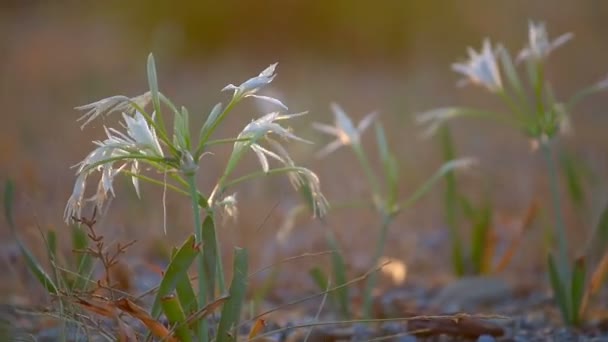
264	126
250	87
112	104
229	206
539	46
344	130
481	68
74	205
140	141
303	177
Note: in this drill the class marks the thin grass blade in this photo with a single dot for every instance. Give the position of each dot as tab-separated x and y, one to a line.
579	276
36	268
153	84
560	293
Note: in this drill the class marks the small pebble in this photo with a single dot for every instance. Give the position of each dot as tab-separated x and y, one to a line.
486	338
407	338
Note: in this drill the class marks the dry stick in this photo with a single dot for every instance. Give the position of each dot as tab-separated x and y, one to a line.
303	255
382	320
316	318
525	227
301	300
596	281
405	333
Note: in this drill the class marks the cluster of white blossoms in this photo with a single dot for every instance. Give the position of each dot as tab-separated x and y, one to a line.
145	143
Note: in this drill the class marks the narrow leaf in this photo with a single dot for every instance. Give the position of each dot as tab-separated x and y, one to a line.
579	275
479	239
210	255
153	84
206	130
34	266
176	317
389	164
322	282
185	293
51	247
573	180
600	236
232	308
560	293
451	203
339	274
178	267
512	75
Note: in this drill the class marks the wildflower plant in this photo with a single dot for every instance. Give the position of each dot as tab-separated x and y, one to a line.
533	108
144	142
384	194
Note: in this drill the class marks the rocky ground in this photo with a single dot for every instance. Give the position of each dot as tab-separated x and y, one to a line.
471	309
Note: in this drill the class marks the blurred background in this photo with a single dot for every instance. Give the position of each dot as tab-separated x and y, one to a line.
391	56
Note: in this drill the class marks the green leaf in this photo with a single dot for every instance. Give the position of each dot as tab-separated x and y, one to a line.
322	283
181	130
389	163
9	198
451	203
210	255
153	84
176	317
560	293
51	247
428	185
512	75
178	267
185	293
339	271
34	266
206	130
231	311
573	180
600	235
480	238
579	276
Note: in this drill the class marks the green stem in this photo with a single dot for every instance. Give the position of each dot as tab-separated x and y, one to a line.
202	144
371	281
223	185
198	233
538	88
371	177
225	141
221	280
557	208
